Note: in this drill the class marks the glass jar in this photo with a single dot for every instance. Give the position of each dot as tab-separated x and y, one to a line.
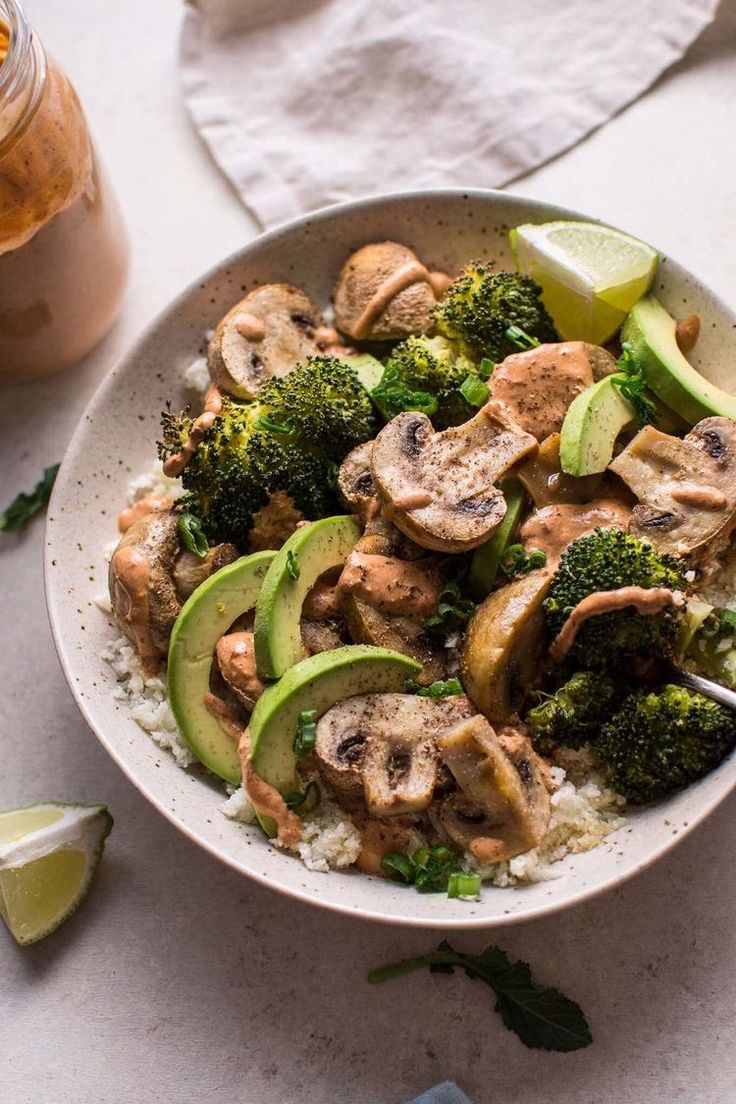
63	246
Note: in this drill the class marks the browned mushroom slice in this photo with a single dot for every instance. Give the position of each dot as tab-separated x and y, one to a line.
264	335
274	523
384	292
190	571
321	636
379	748
144	600
504	808
686	488
355	487
236	662
546	483
503	655
538	385
439	488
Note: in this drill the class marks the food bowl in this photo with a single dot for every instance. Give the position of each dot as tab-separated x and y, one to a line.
115	441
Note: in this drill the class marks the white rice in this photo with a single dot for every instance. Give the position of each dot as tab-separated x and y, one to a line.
720	590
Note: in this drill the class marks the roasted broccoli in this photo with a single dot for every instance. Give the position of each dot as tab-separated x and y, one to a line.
663	739
480	305
610	559
290	439
712	650
573	714
426	373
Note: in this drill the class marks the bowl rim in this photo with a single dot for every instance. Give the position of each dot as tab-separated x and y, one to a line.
99	396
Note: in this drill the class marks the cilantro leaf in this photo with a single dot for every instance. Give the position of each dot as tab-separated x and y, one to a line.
542	1017
24	507
632	383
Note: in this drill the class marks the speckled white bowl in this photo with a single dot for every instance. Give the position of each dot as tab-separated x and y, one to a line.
115	441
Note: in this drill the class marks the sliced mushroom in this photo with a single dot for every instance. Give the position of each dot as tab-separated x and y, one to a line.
190	571
547	484
439	488
686	488
503	809
144	600
355	487
379	749
538	385
263	336
503	654
236	661
321	636
398	587
274	523
384	292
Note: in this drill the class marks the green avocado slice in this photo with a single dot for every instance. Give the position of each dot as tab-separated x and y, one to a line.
593	421
317	683
205	616
484	565
308	553
650	331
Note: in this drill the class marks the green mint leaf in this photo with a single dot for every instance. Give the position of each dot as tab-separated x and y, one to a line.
24	507
192	536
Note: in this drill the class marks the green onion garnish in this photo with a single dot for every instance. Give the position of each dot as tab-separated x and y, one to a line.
192	536
306	734
305	802
517	562
463	885
485	368
474	391
292	565
264	422
520	338
399	866
442	688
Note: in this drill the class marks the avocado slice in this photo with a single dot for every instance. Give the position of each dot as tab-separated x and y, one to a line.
310	551
317	683
650	331
484	565
593	421
205	616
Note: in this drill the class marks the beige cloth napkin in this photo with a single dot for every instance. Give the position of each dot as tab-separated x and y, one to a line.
308	102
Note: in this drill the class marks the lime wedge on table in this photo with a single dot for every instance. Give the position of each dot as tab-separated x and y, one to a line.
591	276
48	856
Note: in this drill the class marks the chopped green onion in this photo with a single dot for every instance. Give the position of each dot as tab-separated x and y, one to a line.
453	609
433	867
292	565
306	801
485	368
520	338
516	562
24	507
264	422
399	866
442	688
306	733
463	885
192	536
474	390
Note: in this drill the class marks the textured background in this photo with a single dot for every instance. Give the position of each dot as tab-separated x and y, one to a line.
178	982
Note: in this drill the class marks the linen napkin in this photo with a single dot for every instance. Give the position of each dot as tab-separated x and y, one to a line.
307	102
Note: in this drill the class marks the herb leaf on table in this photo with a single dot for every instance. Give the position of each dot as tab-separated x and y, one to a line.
542	1017
24	507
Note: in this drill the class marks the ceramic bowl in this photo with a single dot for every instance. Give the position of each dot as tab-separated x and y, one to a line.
115	442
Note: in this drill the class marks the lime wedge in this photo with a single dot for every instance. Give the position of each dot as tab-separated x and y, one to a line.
48	857
591	276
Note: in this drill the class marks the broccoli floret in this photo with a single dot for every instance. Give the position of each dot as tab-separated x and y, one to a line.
426	373
480	305
290	439
712	650
573	715
663	739
610	559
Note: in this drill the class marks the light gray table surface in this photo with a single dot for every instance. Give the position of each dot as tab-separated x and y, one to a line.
180	982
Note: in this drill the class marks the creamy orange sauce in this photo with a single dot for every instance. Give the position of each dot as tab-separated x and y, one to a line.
439	283
410	500
176	464
236	658
377	838
644	602
696	494
267	801
250	327
553	528
322	602
537	386
131	573
486	849
141	508
326	335
228	718
394	586
411	272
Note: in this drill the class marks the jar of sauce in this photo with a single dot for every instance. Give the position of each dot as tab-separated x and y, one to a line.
63	246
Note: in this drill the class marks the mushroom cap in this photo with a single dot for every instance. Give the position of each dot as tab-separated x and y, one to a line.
355	487
504	800
236	662
190	571
546	483
668	474
379	749
439	488
364	276
263	336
